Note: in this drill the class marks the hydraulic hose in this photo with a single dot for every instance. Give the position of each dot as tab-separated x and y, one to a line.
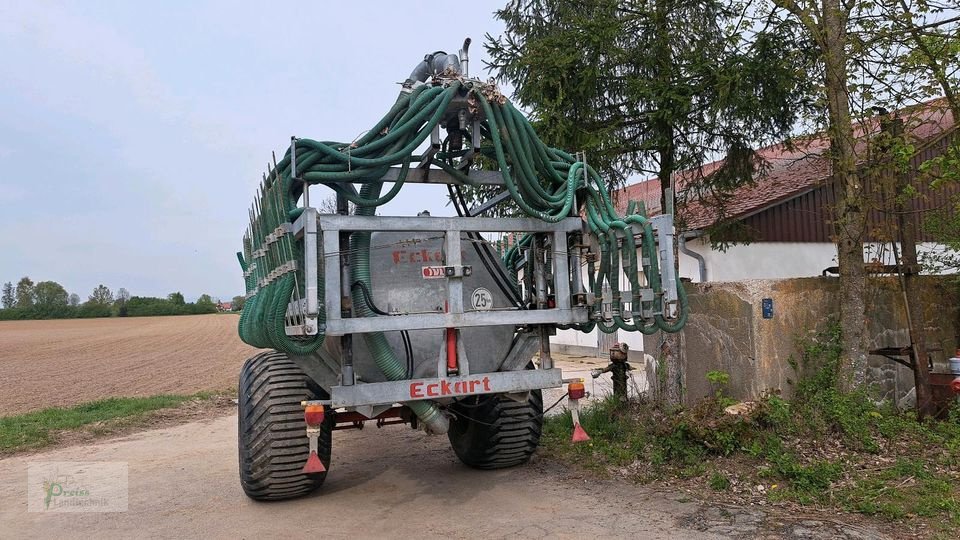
383	354
544	182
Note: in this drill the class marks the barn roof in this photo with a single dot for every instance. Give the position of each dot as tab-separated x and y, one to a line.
789	170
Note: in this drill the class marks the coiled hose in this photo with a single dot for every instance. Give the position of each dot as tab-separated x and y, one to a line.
544	182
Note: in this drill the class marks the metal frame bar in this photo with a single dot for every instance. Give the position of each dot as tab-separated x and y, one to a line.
442	224
310	262
439	176
490	203
361	325
524	345
663	225
561	268
451	245
331	227
388	393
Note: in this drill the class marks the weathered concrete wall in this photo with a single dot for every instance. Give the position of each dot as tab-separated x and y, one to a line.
727	332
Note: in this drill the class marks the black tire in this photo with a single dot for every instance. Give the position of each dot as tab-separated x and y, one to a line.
272	436
494	432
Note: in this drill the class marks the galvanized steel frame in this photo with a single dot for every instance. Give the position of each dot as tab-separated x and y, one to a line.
311	223
385	393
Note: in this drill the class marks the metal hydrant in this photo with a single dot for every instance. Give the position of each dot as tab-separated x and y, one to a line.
618	368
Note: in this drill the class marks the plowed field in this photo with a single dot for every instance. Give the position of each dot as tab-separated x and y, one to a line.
65	362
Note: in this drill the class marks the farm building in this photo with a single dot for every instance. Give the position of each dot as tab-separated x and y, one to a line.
786	213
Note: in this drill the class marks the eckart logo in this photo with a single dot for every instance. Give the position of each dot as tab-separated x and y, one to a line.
443	388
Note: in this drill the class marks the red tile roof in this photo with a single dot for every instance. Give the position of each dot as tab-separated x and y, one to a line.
789	171
647	191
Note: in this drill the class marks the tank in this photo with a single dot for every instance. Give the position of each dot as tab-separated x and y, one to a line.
399	287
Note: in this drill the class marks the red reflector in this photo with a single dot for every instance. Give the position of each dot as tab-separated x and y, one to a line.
579	435
955	385
576	390
313	415
314	465
451	349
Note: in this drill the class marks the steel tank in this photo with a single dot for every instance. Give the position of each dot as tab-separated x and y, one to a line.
398	286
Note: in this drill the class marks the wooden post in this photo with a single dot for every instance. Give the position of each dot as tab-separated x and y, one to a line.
908	269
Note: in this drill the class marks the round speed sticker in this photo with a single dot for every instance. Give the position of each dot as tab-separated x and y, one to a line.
481	299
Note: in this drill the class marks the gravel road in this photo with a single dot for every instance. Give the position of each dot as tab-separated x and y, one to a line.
389	483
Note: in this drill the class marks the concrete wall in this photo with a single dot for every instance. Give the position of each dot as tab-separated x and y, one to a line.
726	331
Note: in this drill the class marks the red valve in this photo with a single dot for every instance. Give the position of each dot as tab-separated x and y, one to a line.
955	385
451	337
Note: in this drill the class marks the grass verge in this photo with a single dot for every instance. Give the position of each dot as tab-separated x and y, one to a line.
38	429
822	449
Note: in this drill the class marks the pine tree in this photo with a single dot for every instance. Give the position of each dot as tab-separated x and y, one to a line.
655	87
8	299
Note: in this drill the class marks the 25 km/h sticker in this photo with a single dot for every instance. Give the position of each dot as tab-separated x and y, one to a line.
481	299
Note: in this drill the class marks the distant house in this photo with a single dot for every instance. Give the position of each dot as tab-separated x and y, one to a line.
786	213
224	306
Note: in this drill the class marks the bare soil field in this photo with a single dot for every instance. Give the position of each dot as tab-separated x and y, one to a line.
66	362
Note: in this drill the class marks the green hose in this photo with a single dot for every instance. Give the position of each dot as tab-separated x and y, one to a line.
546	183
383	354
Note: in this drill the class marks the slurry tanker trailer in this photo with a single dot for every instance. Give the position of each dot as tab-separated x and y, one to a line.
424	320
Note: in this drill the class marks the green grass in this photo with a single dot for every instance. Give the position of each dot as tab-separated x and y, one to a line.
38	429
719	482
824	448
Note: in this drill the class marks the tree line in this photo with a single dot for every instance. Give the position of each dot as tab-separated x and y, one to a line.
50	300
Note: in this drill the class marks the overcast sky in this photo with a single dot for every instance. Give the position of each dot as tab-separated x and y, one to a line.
133	134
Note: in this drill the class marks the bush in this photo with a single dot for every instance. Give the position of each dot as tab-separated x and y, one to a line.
135	307
139	306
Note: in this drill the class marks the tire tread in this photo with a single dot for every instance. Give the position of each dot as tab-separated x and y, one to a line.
272	441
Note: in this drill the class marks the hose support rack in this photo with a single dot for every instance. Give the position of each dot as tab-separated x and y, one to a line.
329	228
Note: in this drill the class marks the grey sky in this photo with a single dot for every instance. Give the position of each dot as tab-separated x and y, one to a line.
132	135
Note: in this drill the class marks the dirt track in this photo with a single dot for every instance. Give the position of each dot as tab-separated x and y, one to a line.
390	483
65	362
